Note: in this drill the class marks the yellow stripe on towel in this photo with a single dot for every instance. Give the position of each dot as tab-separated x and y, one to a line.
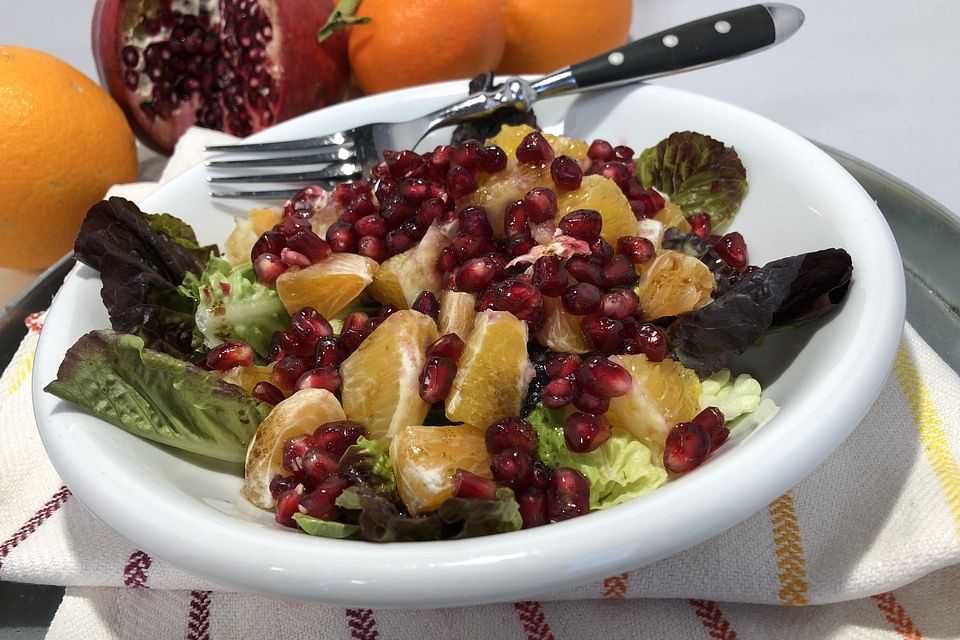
930	429
791	561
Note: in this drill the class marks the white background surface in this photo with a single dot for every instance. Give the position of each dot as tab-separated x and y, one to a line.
876	78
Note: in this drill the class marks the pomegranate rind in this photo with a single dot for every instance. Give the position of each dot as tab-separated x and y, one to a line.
381	388
425	460
672	284
661	395
604	196
457	313
328	286
299	414
400	279
493	373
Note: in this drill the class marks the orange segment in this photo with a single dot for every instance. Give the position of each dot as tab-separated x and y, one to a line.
561	330
493	373
299	414
510	136
672	216
662	394
456	313
328	286
602	195
247	232
496	190
381	388
674	283
425	460
247	377
400	279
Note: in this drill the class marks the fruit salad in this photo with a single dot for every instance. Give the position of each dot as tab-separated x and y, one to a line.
481	338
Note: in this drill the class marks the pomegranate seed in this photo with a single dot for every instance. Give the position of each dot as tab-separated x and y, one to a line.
277	351
310	325
362	206
512	432
321	502
560	392
229	355
447	260
617	171
700	223
288	503
619	304
288	370
600	150
404	165
601	333
414	190
494	159
712	420
733	249
399	240
327	353
269	242
590	403
580	299
293	344
430	211
550	275
647	204
533	507
449	345
386	188
470	486
648	340
437	378
512	468
540	204
484	300
474	222
460	182
568	495
294	449
476	275
466	247
601	377
309	244
516	296
344	193
563	365
372	225
583	270
292	225
336	437
601	251
341	237
687	446
353	332
623	152
320	378
534	149
395	211
618	272
583	224
566	173
520	244
280	483
427	304
514	218
468	154
268	267
637	249
585	432
374	248
266	392
373	323
540	476
317	464
293	258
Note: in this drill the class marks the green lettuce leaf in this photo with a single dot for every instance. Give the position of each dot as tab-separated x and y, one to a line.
232	304
733	396
154	395
324	528
789	291
368	463
620	469
700	174
381	521
142	259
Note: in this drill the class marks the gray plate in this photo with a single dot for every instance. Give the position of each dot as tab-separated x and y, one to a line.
928	236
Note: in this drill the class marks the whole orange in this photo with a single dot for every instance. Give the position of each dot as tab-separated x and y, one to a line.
409	43
545	35
63	142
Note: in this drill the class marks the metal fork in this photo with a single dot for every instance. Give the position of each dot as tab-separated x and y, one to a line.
353	152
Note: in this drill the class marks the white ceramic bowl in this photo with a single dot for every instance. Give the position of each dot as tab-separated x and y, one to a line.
189	511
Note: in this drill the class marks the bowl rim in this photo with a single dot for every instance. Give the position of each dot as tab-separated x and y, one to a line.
498	568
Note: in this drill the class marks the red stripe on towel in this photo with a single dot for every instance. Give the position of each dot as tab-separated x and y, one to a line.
31	525
897	616
713	620
362	624
198	617
533	621
135	571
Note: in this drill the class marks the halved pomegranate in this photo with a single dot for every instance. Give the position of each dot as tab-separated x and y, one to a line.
233	65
